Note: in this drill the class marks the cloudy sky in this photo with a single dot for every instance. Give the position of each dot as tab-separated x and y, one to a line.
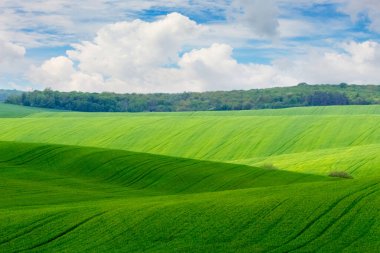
188	45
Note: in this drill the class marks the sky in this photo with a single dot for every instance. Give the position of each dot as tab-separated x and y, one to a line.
190	45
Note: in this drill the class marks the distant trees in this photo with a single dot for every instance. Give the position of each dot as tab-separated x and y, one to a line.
300	95
327	98
4	94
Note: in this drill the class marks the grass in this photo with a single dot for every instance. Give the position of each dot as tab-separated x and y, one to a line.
278	219
309	143
190	182
16	111
212	138
360	161
59	198
138	171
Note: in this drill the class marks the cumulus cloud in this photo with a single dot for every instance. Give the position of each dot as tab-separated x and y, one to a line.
214	68
141	56
53	71
123	56
136	44
358	63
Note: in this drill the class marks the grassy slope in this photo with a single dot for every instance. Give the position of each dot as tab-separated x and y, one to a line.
139	171
67	198
59	198
16	111
359	161
344	217
286	141
216	138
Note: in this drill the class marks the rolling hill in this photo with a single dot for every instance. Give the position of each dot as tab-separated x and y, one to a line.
258	137
190	182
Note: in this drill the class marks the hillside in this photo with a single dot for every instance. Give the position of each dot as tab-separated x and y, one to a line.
311	140
141	171
84	203
17	111
243	181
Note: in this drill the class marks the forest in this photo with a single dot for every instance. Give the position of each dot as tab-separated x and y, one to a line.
281	97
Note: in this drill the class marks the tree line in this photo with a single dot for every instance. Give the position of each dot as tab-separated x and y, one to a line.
300	95
4	94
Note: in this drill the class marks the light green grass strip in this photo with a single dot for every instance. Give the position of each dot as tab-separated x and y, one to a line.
211	138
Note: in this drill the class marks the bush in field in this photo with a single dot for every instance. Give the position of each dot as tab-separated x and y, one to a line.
269	166
341	174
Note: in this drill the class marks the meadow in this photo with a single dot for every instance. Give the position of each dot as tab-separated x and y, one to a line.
242	181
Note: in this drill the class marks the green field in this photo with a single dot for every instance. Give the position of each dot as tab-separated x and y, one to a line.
190	182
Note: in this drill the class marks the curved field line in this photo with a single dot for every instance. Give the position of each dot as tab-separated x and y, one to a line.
137	177
286	145
370	223
334	221
63	233
164	174
361	163
366	133
316	219
146	173
50	150
34	225
262	214
26	153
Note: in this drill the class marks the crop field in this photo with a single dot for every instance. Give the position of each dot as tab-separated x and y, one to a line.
243	181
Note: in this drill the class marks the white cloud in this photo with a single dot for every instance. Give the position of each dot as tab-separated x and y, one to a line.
214	68
140	56
60	22
54	71
136	44
358	63
123	56
11	57
10	51
260	16
368	7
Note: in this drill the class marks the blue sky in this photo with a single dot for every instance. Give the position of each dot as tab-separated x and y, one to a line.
173	46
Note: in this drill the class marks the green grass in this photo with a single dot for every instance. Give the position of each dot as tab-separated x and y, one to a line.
61	198
190	182
217	138
137	171
360	161
16	111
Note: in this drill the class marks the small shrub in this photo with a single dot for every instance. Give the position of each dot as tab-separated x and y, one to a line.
341	174
269	166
